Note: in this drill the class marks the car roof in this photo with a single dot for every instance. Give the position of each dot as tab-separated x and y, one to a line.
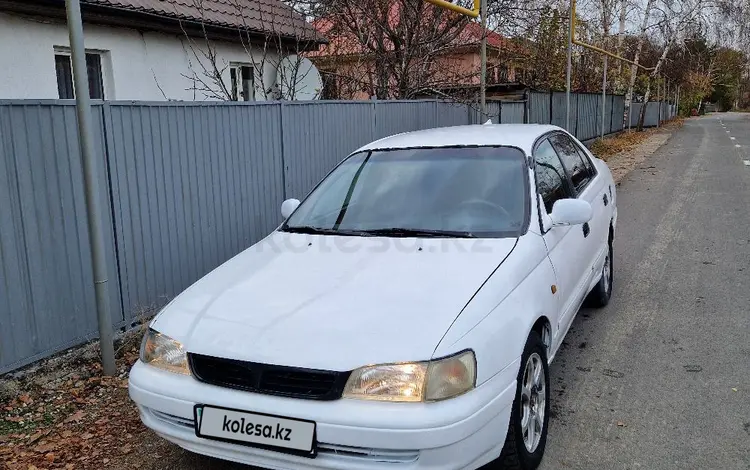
522	136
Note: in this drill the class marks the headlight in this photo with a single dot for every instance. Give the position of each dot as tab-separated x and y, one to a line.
163	352
414	382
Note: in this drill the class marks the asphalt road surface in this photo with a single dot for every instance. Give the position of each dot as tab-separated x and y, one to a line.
660	379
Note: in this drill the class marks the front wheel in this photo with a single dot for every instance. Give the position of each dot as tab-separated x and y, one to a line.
527	432
602	292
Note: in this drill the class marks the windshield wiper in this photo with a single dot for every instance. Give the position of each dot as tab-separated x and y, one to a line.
310	230
418	233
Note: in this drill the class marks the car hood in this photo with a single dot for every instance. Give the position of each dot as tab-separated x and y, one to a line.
334	303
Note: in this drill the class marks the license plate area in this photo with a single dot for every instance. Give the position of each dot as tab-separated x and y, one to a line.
270	432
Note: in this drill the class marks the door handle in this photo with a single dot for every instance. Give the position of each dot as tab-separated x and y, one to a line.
606	200
586	230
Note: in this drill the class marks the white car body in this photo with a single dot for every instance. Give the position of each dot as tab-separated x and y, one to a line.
343	303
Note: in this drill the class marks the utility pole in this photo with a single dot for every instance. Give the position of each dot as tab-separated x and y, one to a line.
568	77
604	94
483	78
94	206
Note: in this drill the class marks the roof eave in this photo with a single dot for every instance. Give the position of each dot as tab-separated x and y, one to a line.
144	21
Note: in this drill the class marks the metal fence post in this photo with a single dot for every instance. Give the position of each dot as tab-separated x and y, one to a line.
94	210
569	73
526	106
604	95
578	117
551	105
283	154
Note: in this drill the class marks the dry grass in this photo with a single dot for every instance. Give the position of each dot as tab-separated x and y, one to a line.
628	140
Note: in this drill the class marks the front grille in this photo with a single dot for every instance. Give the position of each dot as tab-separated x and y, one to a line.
268	379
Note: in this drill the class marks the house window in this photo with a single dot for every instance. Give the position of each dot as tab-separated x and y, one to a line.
64	70
243	82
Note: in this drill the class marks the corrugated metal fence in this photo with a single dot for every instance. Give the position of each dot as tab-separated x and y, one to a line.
586	112
187	185
653	114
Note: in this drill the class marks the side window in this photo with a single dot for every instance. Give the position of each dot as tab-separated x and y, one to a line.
586	161
551	180
579	172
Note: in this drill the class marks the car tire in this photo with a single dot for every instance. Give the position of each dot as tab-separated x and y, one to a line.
602	291
524	450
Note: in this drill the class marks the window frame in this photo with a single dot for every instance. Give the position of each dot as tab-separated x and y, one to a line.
236	78
524	162
584	159
568	182
103	74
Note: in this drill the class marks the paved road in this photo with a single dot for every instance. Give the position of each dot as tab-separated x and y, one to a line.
649	382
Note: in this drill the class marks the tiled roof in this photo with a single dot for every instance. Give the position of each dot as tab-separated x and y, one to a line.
270	17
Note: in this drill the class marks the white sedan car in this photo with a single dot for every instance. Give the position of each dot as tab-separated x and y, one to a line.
402	317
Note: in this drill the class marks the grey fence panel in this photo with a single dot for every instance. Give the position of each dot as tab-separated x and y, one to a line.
47	301
192	186
559	108
609	114
540	108
452	114
652	115
494	110
493	113
588	120
635	112
395	117
618	113
318	136
512	112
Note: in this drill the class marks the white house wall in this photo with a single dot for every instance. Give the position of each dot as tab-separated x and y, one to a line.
136	66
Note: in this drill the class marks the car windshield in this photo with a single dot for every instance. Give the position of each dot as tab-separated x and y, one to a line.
452	192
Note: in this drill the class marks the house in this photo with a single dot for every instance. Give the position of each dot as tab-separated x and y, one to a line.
350	69
151	50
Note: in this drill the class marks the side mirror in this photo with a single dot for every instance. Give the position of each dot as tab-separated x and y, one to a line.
288	207
571	212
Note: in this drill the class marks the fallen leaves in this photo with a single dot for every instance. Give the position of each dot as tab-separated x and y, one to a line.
77	417
620	143
78	420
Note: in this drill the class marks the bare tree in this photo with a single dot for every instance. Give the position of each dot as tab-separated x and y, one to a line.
278	70
674	19
639	48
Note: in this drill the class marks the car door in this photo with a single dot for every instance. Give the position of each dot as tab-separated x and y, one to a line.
589	187
565	245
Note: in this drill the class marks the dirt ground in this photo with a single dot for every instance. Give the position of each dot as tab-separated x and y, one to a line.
63	414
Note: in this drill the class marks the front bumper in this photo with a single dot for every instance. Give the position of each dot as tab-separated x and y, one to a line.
462	433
